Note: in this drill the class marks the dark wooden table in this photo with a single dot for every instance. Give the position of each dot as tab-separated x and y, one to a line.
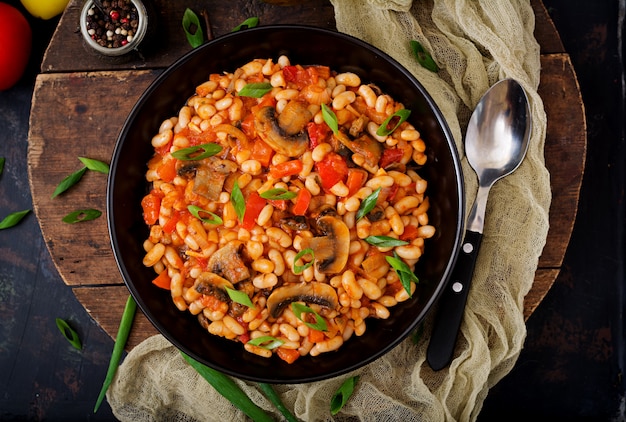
62	94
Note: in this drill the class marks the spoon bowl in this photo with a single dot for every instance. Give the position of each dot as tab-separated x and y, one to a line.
496	142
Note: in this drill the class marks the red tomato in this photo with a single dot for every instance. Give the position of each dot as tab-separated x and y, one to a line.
15	44
332	169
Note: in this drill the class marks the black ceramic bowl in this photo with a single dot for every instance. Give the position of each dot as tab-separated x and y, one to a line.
303	45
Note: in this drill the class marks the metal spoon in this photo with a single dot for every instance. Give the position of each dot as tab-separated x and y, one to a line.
495	145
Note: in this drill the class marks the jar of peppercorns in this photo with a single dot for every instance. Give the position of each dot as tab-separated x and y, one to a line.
114	27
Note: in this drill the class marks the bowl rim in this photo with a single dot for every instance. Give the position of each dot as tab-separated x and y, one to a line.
460	198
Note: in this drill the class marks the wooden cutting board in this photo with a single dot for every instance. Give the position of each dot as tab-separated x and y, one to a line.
80	103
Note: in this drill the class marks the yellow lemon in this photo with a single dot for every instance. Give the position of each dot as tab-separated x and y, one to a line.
45	9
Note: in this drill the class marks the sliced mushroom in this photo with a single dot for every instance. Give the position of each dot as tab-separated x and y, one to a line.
286	133
227	262
212	284
333	247
364	145
210	177
314	292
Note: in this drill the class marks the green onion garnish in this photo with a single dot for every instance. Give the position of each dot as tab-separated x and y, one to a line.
69	333
385	241
330	118
401	116
404	272
69	181
12	219
239	297
267	342
255	90
298	269
236	198
300	309
213	218
95	165
187	154
343	393
192	28
423	57
248	23
278	193
82	215
368	204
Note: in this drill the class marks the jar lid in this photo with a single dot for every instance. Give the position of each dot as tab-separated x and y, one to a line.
132	42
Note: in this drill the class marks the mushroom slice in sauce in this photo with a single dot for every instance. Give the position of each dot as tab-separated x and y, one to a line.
227	262
333	247
314	292
364	145
210	177
212	284
286	133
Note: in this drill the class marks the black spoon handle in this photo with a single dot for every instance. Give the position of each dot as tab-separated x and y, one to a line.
452	304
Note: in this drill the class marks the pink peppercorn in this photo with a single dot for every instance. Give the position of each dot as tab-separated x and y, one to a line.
115	15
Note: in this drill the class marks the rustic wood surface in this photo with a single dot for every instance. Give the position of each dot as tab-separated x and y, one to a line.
70	118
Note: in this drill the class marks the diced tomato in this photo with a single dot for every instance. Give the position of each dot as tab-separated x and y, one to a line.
303	199
315	336
409	234
288	355
318	133
332	169
210	302
245	337
287	168
390	156
151	204
163	150
280	204
247	126
300	76
290	73
393	288
254	205
262	152
167	170
170	225
162	280
356	179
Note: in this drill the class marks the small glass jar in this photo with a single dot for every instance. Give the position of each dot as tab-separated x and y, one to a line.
127	44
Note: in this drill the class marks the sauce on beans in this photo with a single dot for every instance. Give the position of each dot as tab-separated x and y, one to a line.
274	228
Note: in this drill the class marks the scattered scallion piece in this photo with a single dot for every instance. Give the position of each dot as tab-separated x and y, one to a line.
343	393
423	57
271	394
192	28
69	333
95	165
190	153
79	216
298	269
385	241
248	23
368	204
278	193
404	272
299	310
213	218
229	389
255	90
69	181
236	198
12	219
2	160
330	118
400	115
118	349
266	342
239	297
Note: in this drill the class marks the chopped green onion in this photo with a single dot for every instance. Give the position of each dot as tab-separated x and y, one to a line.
271	394
196	210
298	269
69	333
239	297
401	115
423	57
330	118
118	348
82	215
385	241
343	393
368	204
255	90
278	193
248	23
2	160
95	165
300	309
227	388
404	272
12	219
187	154
69	181
266	342
192	28
236	198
